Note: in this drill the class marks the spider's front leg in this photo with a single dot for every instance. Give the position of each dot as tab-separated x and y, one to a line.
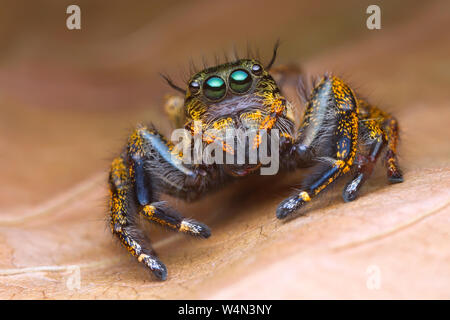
328	137
146	168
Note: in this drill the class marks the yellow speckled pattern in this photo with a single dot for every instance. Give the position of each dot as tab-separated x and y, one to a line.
119	180
304	196
337	132
381	124
346	132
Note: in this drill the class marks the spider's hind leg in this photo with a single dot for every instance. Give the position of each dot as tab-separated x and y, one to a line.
390	128
381	123
377	130
372	140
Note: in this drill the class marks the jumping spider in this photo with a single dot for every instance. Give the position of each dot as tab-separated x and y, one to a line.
338	132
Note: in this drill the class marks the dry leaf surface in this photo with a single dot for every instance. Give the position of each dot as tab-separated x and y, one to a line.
61	125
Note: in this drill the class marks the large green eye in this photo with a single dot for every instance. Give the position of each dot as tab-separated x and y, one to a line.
240	81
214	88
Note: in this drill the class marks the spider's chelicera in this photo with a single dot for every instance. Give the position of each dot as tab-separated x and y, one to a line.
235	147
339	132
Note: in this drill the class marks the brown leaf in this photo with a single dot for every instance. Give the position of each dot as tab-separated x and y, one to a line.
62	123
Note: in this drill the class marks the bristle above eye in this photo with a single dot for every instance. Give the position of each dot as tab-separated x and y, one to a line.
258	56
216	59
192	66
249	51
225	56
235	52
184	74
205	62
252	53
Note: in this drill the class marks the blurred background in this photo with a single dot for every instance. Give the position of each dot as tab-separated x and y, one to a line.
69	98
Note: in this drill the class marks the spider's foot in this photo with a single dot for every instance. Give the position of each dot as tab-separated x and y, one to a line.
165	215
291	204
395	176
195	228
155	265
351	189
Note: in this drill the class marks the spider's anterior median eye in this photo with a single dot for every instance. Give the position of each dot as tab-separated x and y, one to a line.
240	81
214	88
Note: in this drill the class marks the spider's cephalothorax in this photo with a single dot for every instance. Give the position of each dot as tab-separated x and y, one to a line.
338	132
239	95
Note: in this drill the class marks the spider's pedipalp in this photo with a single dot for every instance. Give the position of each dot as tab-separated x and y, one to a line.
378	130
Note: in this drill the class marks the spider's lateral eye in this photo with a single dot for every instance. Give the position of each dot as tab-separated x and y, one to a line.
214	88
256	69
194	86
240	81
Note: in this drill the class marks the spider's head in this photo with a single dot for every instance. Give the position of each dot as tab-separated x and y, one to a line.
238	93
235	95
228	91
